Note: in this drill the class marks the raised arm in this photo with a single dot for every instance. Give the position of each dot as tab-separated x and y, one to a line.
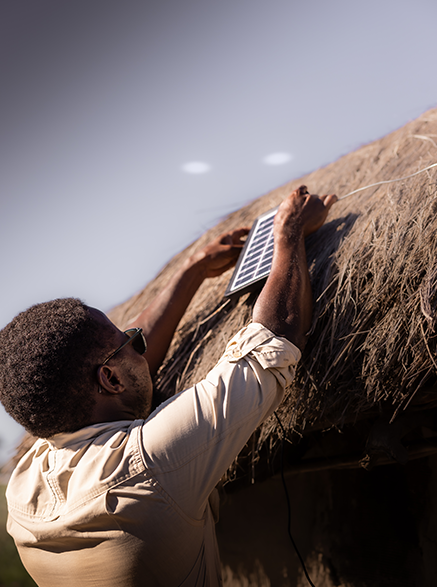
285	303
160	319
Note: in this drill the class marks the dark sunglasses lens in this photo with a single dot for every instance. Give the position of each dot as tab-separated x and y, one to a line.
139	342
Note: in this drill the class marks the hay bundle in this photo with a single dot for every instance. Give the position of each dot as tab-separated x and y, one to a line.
373	269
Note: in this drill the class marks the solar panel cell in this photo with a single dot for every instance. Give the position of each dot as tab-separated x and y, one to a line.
256	257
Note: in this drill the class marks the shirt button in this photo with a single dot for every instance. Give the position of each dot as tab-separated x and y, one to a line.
236	354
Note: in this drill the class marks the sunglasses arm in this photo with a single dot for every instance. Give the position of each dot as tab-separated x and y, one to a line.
161	318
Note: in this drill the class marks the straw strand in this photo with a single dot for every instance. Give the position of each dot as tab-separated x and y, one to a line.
387	181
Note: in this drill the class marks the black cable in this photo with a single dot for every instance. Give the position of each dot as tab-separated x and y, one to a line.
289	505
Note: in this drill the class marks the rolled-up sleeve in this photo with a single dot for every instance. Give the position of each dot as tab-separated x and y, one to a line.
190	441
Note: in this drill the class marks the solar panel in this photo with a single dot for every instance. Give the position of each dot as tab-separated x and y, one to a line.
255	259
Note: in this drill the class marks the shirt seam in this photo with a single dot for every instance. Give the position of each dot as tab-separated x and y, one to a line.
200	451
138	467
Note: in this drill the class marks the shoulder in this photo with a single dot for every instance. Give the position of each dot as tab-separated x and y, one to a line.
268	348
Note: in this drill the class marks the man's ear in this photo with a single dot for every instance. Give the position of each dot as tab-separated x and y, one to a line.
109	380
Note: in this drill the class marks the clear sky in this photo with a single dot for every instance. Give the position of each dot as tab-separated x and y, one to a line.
129	127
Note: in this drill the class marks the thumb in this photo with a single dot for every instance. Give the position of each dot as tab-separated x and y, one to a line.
329	200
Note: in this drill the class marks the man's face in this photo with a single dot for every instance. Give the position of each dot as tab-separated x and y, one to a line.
133	370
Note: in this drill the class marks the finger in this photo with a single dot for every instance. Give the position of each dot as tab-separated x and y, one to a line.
234	249
234	236
302	190
229	250
329	200
239	233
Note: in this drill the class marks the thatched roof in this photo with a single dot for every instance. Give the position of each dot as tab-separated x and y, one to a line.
373	266
374	275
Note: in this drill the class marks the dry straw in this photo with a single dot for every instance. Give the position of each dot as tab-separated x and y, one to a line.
373	268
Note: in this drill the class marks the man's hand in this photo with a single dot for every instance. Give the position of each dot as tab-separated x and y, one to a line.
302	213
221	254
160	319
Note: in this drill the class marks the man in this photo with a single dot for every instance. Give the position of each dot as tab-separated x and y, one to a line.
110	494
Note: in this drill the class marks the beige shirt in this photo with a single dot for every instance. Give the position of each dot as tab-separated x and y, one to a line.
126	503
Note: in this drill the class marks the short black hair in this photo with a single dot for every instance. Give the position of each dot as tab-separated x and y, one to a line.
48	359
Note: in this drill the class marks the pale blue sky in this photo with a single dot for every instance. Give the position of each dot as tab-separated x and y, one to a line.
103	102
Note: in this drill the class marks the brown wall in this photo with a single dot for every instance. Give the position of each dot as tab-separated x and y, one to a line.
354	529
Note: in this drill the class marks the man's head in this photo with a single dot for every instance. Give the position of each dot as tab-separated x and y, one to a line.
125	385
50	366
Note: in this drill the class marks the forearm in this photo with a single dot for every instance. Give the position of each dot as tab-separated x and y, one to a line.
285	303
161	318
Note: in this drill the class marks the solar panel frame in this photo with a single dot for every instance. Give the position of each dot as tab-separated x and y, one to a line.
255	260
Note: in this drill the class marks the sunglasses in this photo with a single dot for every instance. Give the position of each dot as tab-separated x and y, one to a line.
137	339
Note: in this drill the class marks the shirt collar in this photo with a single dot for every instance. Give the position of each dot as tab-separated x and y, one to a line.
87	434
